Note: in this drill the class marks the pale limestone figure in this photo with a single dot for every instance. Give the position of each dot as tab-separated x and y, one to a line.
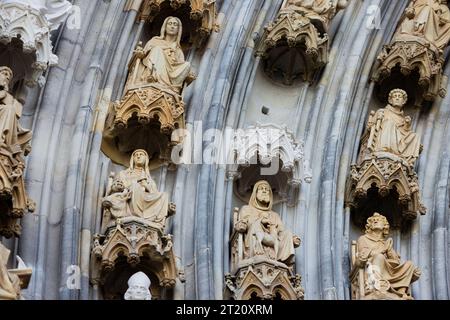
138	287
384	272
161	62
321	11
9	283
428	19
264	232
134	193
390	130
14	146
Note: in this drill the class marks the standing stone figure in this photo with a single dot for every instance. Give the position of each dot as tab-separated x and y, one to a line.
161	61
384	271
390	130
134	193
264	232
14	146
138	287
427	19
9	283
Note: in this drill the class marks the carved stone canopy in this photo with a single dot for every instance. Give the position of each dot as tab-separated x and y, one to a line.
269	151
143	119
198	17
130	246
414	59
295	45
25	43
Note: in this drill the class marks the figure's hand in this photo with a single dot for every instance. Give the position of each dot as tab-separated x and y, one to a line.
139	53
241	226
191	77
417	272
297	241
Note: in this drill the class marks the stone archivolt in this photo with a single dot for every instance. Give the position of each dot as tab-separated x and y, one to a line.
389	150
262	252
25	28
260	146
198	16
296	44
134	219
415	56
152	106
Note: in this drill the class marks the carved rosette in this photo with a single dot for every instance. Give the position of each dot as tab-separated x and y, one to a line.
293	37
412	55
263	145
159	110
138	244
200	15
28	26
264	279
386	174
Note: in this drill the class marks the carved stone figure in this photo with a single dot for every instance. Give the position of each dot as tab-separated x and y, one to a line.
162	61
134	193
14	146
264	232
390	130
385	277
9	282
262	254
428	19
417	49
138	287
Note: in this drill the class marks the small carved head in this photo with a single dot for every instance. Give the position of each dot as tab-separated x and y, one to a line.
138	287
398	97
139	158
6	76
117	186
263	193
172	26
377	222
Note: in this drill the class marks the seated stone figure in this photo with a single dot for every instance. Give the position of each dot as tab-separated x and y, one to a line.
384	272
161	62
134	193
390	130
264	232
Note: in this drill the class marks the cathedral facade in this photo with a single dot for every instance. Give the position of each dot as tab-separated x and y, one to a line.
224	149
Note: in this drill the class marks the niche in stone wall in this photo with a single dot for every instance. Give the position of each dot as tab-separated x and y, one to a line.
197	16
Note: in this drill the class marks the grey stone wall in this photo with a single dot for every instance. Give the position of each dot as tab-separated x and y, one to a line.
67	173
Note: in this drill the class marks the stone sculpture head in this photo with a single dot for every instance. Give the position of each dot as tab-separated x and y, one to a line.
139	159
377	222
262	197
117	186
6	76
138	287
172	26
398	98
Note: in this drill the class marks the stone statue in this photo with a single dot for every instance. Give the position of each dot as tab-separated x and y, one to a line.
264	232
384	271
428	19
390	130
161	61
134	193
9	283
14	145
138	287
318	11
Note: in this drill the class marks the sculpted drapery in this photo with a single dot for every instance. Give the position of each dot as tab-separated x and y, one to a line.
382	263
264	232
161	62
428	19
134	193
390	130
9	283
